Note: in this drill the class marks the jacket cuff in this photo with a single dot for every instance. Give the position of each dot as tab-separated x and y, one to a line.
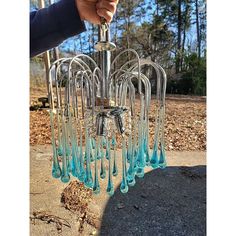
68	18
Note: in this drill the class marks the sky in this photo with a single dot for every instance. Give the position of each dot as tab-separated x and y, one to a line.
69	44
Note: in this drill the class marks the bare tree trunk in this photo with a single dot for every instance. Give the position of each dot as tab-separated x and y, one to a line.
46	56
115	23
127	20
198	29
56	53
178	58
184	34
127	23
157	7
55	50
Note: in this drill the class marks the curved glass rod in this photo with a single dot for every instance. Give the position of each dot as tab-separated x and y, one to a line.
93	135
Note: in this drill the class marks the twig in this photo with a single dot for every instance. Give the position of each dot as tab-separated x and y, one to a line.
50	219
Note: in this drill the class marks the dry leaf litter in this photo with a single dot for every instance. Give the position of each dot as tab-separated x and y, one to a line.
185	123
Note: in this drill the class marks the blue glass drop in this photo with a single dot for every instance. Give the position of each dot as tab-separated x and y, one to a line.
69	164
60	151
107	153
104	142
140	161
135	160
110	187
88	181
102	152
140	172
65	178
124	186
162	160
99	153
92	158
56	170
75	160
81	175
96	186
108	147
73	168
102	171
146	153
113	141
115	169
131	171
154	160
128	157
92	143
75	163
68	152
131	181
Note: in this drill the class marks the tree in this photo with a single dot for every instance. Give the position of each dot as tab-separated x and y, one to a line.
179	26
186	26
169	32
198	29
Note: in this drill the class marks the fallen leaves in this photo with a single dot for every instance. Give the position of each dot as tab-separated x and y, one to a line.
40	131
75	197
185	124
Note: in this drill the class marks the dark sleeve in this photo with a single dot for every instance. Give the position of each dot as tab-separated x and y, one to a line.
50	26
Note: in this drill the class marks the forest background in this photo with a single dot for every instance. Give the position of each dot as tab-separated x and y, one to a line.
169	32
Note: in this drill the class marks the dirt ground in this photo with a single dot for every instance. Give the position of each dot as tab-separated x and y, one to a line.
169	202
165	202
185	122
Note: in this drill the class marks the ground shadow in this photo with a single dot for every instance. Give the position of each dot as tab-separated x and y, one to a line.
165	202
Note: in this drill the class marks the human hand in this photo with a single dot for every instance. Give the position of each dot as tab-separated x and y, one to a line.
93	10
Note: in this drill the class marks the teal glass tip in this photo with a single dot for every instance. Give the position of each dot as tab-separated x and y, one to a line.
56	172
103	173
65	178
96	189
88	182
162	160
140	172
124	187
154	160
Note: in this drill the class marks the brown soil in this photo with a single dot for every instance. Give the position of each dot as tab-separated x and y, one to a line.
185	122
